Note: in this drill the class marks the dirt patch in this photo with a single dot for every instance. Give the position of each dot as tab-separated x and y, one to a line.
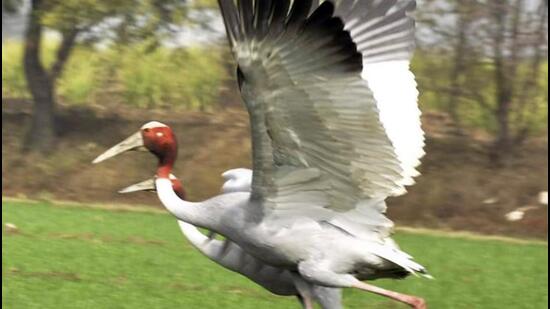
459	188
90	237
107	239
186	287
143	241
67	276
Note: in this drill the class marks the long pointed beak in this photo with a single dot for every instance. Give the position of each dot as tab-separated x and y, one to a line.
147	185
133	142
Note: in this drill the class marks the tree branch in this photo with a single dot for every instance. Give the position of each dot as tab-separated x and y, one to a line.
63	53
33	38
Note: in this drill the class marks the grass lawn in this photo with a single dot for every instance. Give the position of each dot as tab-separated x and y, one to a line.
79	257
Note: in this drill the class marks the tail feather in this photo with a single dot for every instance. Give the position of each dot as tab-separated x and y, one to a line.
401	259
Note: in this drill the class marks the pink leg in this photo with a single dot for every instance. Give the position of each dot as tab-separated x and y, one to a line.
413	301
304	289
308	303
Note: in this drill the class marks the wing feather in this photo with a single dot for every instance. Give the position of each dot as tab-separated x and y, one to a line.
332	103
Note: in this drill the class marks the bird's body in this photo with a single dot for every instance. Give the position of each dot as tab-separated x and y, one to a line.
304	245
228	254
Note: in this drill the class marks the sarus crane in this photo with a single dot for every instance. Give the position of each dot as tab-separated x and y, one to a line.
335	130
229	255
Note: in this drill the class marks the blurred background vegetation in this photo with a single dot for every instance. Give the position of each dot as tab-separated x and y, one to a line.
79	75
482	63
181	78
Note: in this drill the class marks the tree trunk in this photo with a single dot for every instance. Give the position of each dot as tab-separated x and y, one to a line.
41	82
504	93
457	71
41	135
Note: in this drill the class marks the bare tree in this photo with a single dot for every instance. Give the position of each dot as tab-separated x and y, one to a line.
496	50
72	19
517	36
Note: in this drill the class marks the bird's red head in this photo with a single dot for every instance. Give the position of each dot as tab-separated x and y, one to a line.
160	140
154	136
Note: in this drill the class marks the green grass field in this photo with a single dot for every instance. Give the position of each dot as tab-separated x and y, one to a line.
80	257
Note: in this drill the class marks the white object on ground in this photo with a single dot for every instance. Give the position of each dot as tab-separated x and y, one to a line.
10	227
490	200
518	214
543	198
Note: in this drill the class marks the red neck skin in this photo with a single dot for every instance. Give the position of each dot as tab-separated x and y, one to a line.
178	189
166	163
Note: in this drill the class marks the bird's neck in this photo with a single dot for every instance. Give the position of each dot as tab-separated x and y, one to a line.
205	245
203	214
166	164
212	248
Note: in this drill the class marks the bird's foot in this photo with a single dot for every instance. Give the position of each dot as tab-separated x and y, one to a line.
418	303
413	301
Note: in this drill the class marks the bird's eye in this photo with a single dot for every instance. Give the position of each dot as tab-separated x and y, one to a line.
146	130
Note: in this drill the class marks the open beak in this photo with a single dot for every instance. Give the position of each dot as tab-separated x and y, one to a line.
133	142
147	185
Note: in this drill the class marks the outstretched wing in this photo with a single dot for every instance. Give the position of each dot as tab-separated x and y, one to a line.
332	104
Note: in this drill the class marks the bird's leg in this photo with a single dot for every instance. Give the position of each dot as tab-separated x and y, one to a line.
319	273
413	301
328	298
304	289
308	302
